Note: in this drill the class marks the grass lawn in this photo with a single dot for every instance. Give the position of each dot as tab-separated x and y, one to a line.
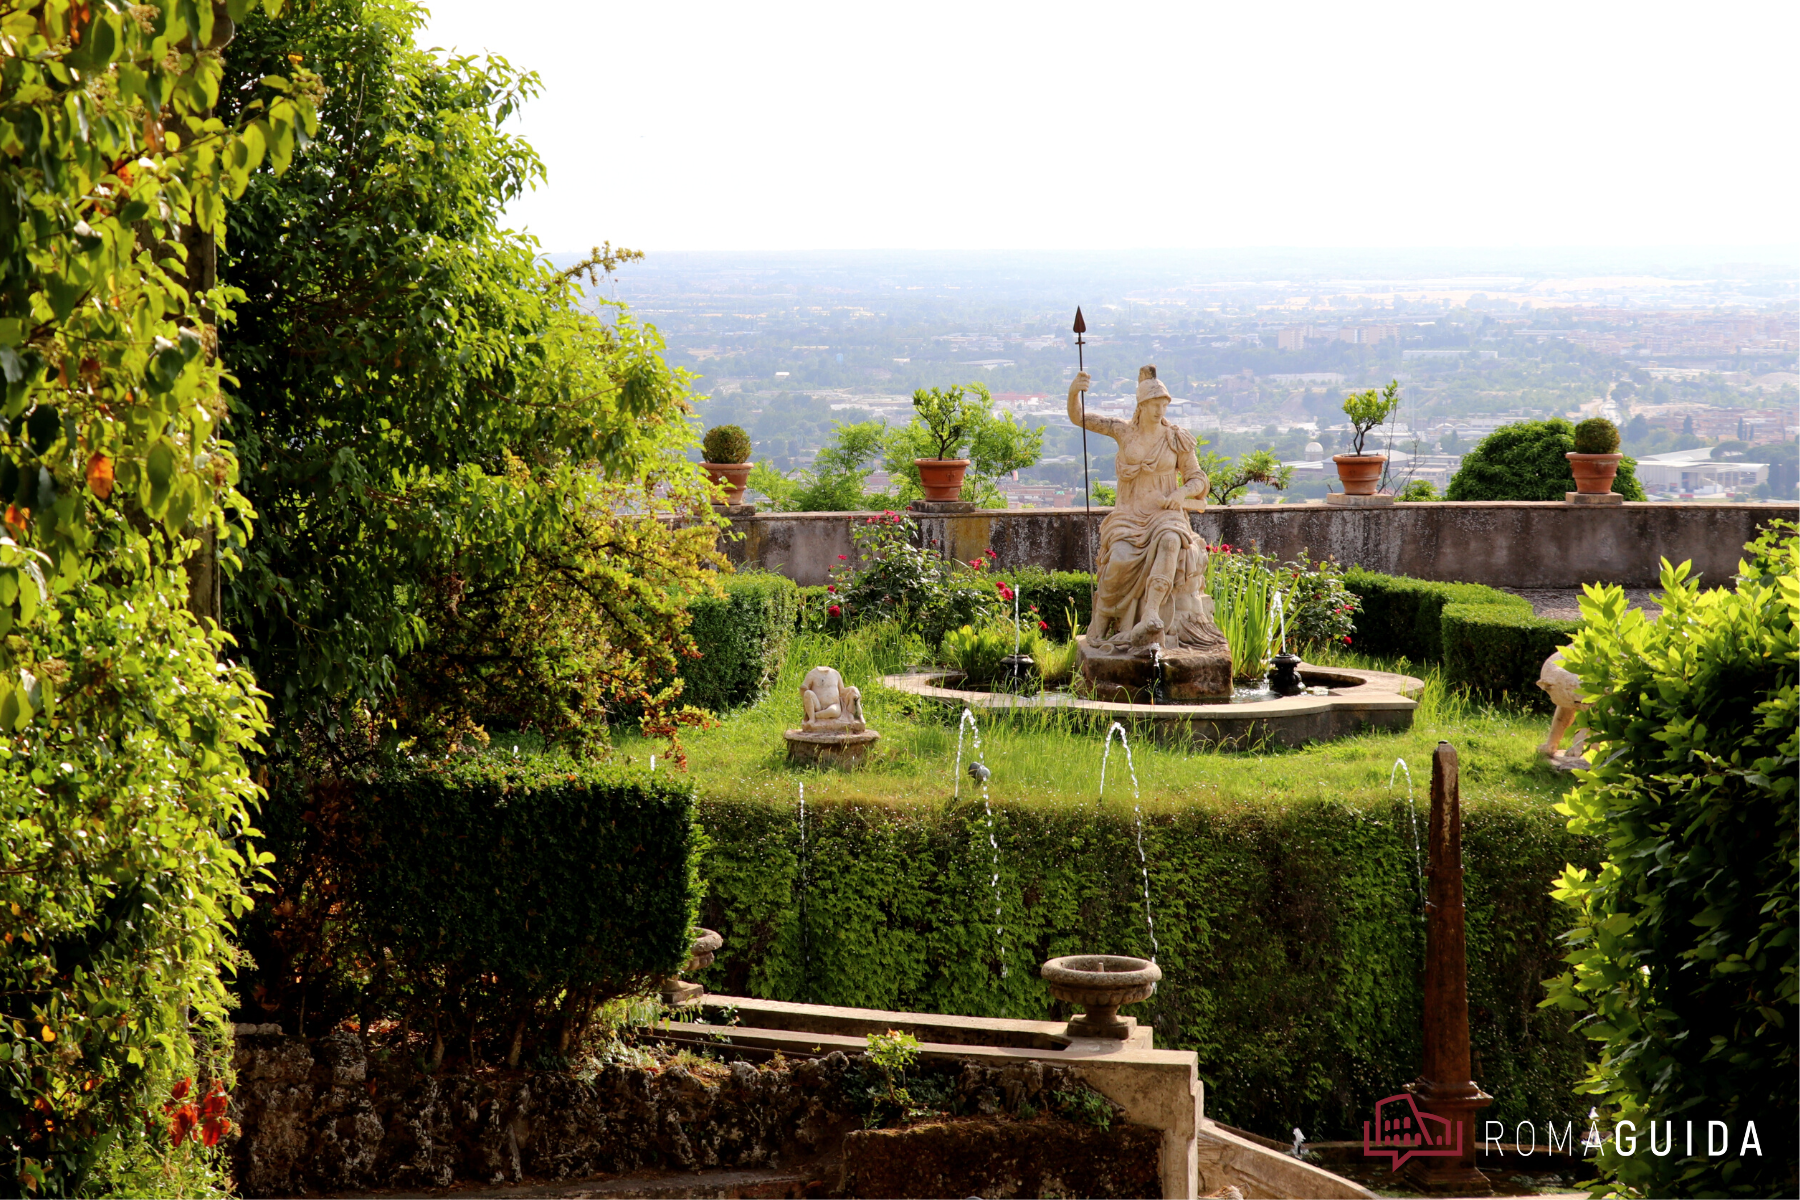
1037	760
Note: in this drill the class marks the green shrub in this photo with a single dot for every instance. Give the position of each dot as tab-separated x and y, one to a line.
893	576
490	901
977	652
1524	461
1683	955
726	444
743	639
1487	640
1290	937
1057	596
1498	650
1401	616
1596	435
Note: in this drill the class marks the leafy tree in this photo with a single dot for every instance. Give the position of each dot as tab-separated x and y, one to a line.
125	800
1227	480
1368	409
1683	956
838	478
1417	491
1524	461
422	405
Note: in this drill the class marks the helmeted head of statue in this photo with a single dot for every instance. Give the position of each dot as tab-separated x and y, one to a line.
1152	396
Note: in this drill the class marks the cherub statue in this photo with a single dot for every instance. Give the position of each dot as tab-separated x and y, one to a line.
830	703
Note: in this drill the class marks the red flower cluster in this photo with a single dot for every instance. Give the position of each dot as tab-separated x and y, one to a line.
1221	548
208	1116
1006	593
1043	627
835	611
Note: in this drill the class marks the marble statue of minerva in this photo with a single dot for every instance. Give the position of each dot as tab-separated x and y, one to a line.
1151	566
828	703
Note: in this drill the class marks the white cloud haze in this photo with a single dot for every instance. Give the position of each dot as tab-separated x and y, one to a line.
1004	125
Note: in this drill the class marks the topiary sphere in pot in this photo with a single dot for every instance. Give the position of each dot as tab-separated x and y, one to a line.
725	444
1596	435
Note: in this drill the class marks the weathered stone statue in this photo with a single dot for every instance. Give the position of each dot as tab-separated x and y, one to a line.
1563	687
831	732
1151	613
827	702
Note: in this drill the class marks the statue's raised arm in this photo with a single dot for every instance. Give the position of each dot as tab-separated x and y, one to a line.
1111	426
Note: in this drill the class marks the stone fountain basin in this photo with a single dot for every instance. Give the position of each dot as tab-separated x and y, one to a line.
1356	701
1101	980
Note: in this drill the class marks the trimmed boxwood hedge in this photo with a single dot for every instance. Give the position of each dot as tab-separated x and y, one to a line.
743	640
1487	640
1290	937
489	886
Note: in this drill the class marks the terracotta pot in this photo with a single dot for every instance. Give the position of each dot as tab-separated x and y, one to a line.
1359	473
1593	472
942	478
731	477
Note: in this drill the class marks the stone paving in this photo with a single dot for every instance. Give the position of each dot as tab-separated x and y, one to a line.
1561	605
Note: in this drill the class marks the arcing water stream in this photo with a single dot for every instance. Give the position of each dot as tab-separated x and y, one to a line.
1137	812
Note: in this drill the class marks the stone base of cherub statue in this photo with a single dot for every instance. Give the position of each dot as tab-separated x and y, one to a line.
831	733
1564	689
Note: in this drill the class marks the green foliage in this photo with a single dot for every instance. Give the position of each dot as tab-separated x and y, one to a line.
1227	480
1064	600
1682	958
1524	461
949	416
723	441
125	802
1487	640
589	628
1106	494
490	900
837	480
1417	491
1290	934
1368	409
977	652
1596	435
1243	590
1086	1106
743	638
1498	651
892	577
892	1051
955	422
399	353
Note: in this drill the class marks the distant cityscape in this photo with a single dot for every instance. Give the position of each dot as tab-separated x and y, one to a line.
1699	366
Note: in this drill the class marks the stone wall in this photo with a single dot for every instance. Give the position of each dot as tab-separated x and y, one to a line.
319	1116
1518	545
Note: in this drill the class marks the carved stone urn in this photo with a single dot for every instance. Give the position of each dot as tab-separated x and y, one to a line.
700	956
1101	983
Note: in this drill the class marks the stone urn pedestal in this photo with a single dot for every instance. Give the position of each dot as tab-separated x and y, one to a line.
1130	675
1101	983
843	747
676	990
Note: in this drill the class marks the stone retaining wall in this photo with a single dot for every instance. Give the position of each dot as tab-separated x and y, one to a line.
1515	545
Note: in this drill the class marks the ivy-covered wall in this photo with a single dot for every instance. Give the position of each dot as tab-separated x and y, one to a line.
1290	938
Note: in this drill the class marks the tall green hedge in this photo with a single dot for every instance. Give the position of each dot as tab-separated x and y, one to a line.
743	639
1057	594
1290	937
480	898
1487	640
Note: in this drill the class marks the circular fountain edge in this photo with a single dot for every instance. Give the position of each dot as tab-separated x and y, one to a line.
1358	700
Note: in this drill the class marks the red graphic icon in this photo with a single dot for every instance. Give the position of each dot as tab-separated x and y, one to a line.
1401	1131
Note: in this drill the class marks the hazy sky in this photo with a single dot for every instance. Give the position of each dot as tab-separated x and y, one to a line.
859	124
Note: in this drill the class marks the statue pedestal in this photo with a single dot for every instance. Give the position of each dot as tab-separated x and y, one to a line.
1188	676
1592	498
829	747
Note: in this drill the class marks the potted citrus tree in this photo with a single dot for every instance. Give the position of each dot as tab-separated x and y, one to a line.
948	414
725	453
1595	459
1357	471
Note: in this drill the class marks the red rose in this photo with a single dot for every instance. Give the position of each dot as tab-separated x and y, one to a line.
843	558
834	610
1043	627
831	587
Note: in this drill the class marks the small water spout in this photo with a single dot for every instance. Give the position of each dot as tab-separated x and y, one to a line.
805	949
1400	765
1138	814
1279	611
979	772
